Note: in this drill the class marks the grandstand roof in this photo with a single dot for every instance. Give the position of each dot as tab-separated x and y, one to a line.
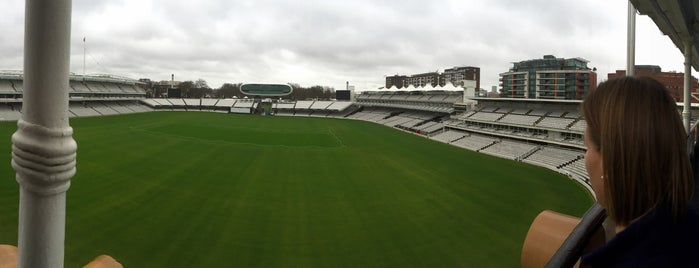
677	19
19	75
527	100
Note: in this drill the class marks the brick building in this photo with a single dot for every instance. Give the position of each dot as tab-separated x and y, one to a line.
673	81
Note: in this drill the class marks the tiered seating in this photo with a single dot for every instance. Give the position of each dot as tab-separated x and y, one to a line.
339	105
519	119
227	103
243	103
509	149
303	105
581	125
475	142
429	101
448	136
130	88
283	105
119	108
556	113
538	112
96	87
399	120
177	102
80	87
572	115
431	129
192	103
136	107
7	113
488	109
113	88
6	87
520	111
577	170
454	98
208	102
554	122
485	116
18	85
81	110
151	102
553	157
372	115
320	105
163	102
101	108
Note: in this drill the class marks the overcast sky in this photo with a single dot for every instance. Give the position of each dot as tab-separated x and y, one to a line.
328	42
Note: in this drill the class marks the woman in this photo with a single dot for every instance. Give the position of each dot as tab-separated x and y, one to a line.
639	169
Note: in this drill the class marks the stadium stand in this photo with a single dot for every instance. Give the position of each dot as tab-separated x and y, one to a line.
555	122
209	103
225	103
518	119
78	109
579	126
545	134
192	103
449	136
320	105
80	87
552	157
7	113
177	103
475	142
303	105
486	116
6	87
509	149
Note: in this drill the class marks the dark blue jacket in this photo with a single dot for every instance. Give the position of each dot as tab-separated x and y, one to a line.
654	240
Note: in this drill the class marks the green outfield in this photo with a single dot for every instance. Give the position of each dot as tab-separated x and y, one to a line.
189	189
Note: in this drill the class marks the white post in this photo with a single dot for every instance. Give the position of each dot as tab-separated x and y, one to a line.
43	149
631	40
686	112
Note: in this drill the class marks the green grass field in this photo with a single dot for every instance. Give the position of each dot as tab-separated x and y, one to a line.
177	189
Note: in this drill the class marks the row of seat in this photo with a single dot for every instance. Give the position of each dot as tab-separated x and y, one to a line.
16	87
565	161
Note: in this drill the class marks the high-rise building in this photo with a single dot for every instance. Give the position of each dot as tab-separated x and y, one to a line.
397	81
421	80
673	81
548	78
458	75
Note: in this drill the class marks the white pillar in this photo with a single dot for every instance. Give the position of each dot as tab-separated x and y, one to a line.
686	112
43	149
631	40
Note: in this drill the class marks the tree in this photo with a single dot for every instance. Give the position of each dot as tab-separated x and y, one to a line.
200	83
184	88
229	90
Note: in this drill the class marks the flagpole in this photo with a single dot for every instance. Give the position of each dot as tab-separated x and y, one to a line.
83	58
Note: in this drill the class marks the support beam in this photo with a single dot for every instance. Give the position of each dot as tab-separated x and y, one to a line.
631	41
686	112
43	149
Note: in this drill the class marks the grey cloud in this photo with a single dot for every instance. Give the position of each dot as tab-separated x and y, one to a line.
326	42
